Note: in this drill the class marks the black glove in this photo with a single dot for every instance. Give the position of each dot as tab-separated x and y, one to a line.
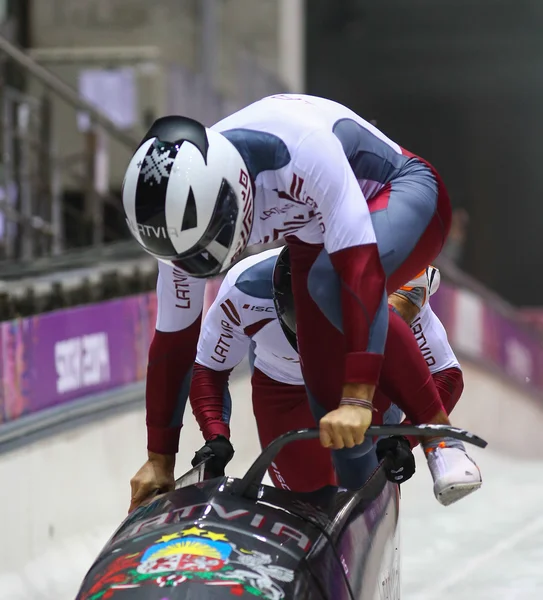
399	461
219	451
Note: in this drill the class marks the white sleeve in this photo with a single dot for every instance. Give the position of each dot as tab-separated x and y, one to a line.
343	212
433	342
180	299
223	344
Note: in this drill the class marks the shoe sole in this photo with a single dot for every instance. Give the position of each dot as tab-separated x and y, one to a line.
456	491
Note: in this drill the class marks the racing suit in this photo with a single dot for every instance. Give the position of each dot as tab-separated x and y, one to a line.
243	320
361	216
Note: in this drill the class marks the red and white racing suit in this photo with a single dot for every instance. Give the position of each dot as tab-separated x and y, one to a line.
361	216
243	320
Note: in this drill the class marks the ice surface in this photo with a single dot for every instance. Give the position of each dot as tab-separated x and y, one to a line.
487	546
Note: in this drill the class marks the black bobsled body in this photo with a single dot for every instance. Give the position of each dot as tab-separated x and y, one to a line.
205	541
228	538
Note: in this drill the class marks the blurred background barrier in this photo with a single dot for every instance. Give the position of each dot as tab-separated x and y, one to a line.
56	191
38	294
52	359
78	89
55	358
123	269
491	334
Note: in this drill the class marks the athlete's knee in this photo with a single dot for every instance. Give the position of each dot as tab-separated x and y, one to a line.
354	471
393	415
425	181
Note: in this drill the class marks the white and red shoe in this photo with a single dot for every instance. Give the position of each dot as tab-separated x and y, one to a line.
455	474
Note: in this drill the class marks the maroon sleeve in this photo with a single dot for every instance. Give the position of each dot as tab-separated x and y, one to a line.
450	385
362	294
405	377
171	357
207	397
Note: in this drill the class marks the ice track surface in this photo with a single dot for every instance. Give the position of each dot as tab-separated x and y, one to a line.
488	546
62	498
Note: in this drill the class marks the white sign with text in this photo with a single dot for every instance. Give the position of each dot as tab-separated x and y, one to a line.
82	362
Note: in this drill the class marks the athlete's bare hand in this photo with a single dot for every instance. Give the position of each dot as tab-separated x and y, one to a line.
344	427
155	477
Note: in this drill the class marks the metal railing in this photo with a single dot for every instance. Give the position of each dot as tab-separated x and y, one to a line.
53	198
62	160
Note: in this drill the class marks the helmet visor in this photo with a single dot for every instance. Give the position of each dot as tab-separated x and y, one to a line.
208	256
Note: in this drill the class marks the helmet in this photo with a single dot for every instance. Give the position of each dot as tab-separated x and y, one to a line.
434	279
424	285
283	298
188	197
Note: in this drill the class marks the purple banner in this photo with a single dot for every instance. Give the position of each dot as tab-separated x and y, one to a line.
501	339
51	359
54	358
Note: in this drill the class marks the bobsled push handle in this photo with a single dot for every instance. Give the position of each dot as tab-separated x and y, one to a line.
258	469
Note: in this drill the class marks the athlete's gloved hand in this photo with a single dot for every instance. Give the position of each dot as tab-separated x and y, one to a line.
399	460
219	451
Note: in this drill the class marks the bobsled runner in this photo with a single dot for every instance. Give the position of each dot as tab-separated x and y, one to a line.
237	538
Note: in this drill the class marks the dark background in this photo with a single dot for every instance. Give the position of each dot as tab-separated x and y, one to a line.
461	84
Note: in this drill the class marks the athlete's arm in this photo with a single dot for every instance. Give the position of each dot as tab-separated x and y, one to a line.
350	241
409	300
450	385
222	345
171	356
404	307
442	362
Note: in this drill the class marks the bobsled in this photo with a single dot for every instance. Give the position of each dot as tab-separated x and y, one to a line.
238	538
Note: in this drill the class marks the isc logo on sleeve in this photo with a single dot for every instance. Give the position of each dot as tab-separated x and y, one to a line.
258	308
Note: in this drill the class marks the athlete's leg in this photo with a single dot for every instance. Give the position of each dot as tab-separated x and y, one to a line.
302	466
353	466
450	385
411	218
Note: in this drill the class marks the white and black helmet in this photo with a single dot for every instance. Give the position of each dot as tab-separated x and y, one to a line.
283	297
188	197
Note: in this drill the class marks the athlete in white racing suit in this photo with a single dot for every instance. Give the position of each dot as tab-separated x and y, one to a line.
361	216
243	320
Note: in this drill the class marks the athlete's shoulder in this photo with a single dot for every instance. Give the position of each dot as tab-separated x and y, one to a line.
267	111
283	118
253	275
